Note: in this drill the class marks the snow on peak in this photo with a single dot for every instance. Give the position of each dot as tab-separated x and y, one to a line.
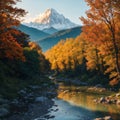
46	17
51	18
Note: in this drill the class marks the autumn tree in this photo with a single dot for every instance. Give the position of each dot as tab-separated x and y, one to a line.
44	64
102	27
10	17
67	55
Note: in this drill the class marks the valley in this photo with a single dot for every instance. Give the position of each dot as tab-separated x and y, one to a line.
54	67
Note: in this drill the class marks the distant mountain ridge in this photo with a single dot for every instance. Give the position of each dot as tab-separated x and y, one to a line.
50	30
51	18
53	39
34	33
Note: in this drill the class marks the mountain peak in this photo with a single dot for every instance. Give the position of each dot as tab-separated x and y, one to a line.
51	18
46	17
51	10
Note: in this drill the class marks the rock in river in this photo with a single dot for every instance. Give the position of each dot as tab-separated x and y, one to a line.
41	99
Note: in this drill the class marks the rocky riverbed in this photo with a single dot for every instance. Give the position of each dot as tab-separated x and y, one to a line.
35	110
113	99
36	102
32	102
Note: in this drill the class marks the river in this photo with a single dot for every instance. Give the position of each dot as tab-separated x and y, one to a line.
71	105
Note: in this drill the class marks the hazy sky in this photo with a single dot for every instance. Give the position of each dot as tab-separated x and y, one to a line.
71	9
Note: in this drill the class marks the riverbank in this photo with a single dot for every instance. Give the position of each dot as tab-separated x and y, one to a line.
35	110
40	103
106	95
31	102
83	102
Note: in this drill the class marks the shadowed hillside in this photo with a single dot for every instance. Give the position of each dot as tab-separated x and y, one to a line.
50	41
34	33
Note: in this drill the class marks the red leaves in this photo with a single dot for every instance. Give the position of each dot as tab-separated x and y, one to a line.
10	48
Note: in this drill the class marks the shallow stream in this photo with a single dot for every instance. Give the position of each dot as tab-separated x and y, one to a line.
72	105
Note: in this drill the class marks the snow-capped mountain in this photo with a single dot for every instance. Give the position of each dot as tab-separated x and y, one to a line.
51	18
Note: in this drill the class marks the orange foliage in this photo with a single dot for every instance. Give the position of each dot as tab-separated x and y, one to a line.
9	17
101	27
67	55
9	48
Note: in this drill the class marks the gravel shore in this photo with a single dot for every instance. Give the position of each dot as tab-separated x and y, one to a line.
35	111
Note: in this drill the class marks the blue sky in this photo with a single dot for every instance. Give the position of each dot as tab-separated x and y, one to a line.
71	9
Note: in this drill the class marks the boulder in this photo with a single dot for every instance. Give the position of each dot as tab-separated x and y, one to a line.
52	78
102	100
108	118
118	95
104	118
22	93
4	112
109	101
98	119
118	102
41	99
102	89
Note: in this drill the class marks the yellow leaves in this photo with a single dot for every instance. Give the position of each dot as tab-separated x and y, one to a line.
35	46
66	54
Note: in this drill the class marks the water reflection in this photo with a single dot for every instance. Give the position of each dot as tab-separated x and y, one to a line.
74	105
85	100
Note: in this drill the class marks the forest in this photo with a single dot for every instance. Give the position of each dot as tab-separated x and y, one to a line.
21	61
94	55
28	76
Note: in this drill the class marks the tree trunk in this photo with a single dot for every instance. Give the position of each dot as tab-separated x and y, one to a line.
116	54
